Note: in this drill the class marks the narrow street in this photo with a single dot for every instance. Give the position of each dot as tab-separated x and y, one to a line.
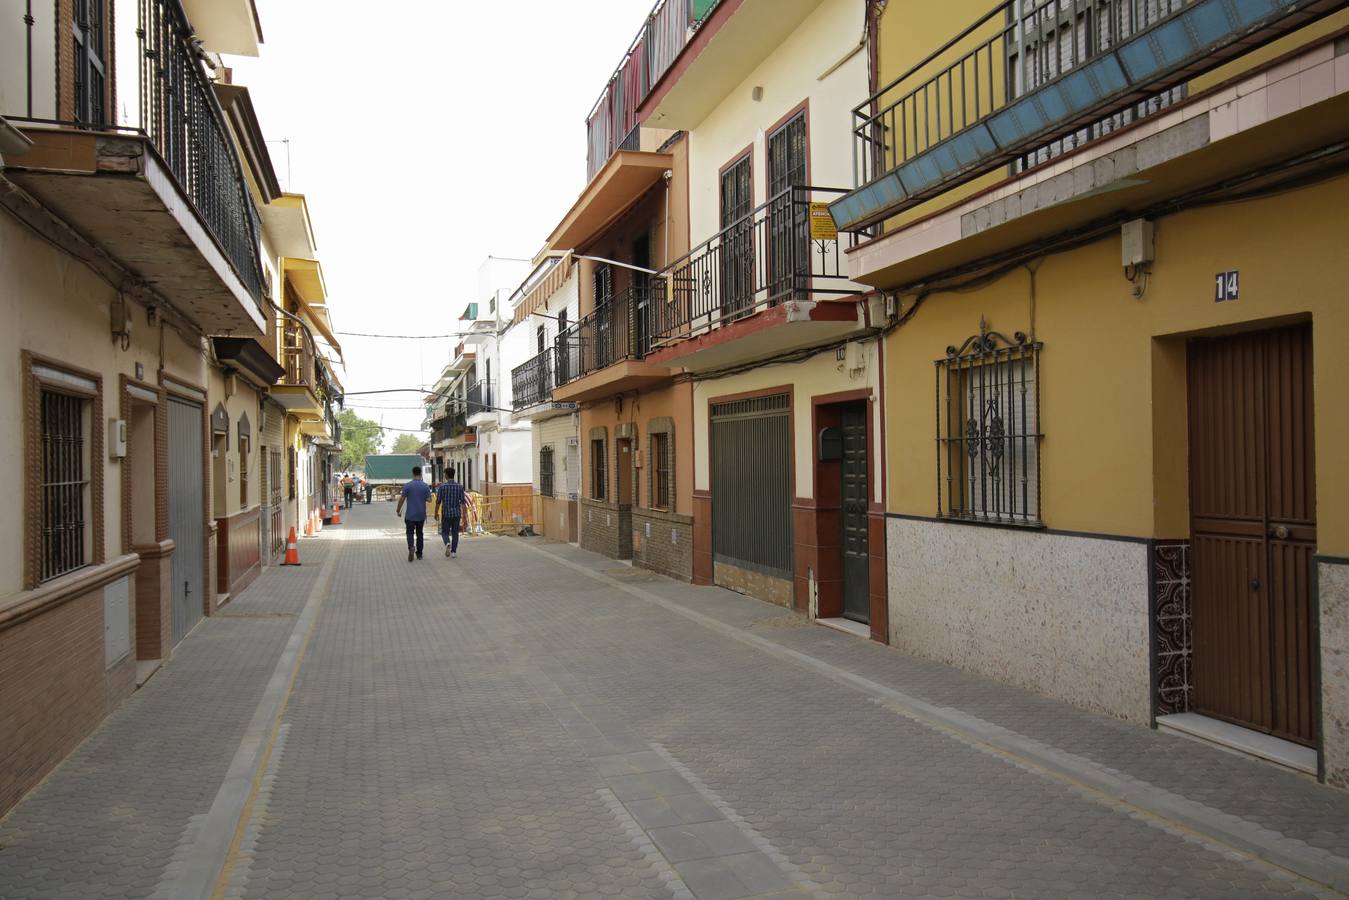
534	720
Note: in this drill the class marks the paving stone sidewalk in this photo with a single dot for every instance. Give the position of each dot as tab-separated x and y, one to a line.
1283	802
504	725
108	820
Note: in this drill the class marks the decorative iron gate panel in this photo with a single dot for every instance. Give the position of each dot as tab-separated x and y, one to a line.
1252	508
752	484
187	510
856	540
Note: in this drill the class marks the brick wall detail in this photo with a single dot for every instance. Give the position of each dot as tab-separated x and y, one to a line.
663	542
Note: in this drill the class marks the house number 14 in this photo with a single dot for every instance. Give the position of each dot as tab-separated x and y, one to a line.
1227	284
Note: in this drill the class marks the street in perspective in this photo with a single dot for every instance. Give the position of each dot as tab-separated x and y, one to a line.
674	448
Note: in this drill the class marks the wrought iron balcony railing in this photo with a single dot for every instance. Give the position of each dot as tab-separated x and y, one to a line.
766	257
300	360
612	124
480	398
1032	78
532	382
173	105
613	332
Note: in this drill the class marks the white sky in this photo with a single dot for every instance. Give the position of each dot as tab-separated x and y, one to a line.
426	135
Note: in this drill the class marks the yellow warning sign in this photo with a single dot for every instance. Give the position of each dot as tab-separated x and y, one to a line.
822	227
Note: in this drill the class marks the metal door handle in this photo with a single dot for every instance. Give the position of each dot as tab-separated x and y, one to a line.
1280	532
1255	584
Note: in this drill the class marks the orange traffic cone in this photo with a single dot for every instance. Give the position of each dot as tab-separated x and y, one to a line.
309	525
292	550
337	513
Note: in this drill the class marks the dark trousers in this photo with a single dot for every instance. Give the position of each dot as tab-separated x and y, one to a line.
346	496
415	541
368	492
449	532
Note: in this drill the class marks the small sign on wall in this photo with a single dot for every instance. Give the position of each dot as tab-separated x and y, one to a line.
1226	286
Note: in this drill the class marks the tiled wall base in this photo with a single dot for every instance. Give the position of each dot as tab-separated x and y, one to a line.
1062	615
756	584
1333	592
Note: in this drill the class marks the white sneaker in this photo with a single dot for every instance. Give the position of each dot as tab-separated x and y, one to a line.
454	556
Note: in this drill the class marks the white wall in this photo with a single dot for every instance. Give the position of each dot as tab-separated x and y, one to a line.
789	76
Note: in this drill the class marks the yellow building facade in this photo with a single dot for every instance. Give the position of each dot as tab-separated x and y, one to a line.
1112	371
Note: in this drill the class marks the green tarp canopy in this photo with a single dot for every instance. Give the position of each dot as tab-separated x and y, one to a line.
392	468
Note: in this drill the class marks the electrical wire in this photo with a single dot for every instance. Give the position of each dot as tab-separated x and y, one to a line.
404	337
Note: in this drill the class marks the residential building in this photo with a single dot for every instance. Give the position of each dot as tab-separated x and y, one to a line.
1111	238
635	433
136	436
147	323
453	441
776	348
503	444
542	308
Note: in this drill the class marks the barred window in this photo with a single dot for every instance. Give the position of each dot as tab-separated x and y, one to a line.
660	470
546	472
598	468
988	430
65	484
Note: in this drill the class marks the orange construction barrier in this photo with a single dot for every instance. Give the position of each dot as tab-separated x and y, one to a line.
292	550
337	513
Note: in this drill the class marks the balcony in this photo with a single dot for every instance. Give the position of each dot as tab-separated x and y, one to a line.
532	382
613	123
481	403
463	358
302	389
135	154
759	286
1032	79
604	352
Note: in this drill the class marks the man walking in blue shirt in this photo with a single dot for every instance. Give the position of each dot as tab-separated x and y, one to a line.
450	498
415	494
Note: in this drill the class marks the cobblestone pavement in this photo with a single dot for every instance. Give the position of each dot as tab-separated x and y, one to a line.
533	720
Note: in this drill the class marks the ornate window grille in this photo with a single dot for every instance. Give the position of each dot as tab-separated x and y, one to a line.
988	430
65	484
546	472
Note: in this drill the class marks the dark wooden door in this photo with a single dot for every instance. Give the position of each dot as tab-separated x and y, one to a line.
623	474
856	572
1253	529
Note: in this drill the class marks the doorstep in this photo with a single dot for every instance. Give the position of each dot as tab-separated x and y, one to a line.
848	626
1242	740
145	668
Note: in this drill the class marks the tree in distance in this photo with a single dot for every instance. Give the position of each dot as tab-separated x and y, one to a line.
360	438
407	443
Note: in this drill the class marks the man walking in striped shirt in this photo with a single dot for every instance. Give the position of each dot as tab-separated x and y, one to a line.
451	499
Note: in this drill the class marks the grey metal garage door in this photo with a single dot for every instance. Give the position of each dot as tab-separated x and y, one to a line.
752	484
187	509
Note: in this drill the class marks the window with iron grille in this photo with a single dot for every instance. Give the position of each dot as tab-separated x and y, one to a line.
598	468
660	470
243	472
546	472
294	460
88	43
988	430
788	217
65	484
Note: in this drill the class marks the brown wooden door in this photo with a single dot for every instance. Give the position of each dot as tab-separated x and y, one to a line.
1253	529
624	474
